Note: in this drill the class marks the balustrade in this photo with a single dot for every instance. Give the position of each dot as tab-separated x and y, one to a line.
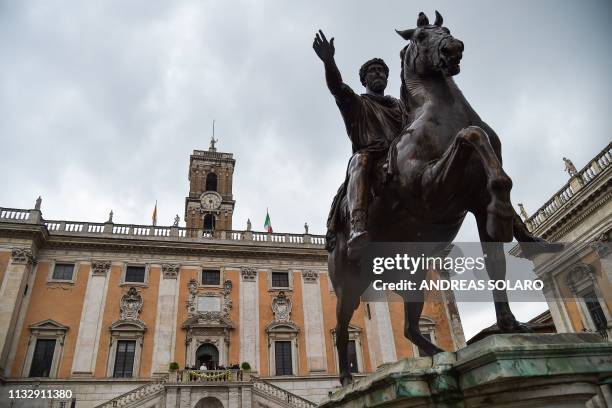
178	233
585	176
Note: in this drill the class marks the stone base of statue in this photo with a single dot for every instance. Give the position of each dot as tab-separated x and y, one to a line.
502	370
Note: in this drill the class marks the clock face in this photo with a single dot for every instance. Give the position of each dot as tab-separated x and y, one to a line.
210	201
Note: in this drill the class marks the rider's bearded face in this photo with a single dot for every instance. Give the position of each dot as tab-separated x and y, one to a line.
376	78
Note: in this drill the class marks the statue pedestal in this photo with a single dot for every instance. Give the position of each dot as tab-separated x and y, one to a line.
502	370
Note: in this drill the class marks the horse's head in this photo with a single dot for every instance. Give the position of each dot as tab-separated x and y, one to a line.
432	48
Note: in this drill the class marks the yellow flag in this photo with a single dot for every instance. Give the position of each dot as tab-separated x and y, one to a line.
155	214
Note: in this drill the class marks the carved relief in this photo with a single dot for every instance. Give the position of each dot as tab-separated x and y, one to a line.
191	302
131	304
281	307
602	245
310	276
22	256
580	276
100	268
170	271
226	302
248	273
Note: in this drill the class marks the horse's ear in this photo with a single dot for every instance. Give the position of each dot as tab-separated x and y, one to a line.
439	19
406	34
422	20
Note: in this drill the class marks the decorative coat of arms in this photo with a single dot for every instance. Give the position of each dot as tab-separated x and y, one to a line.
281	307
131	304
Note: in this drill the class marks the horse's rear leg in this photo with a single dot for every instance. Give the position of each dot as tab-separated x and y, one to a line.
495	262
348	300
413	308
448	175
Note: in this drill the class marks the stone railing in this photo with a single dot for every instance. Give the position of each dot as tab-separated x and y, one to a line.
15	214
197	376
211	154
276	393
149	231
586	175
131	397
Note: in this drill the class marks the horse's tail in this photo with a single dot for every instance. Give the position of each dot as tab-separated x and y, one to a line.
403	89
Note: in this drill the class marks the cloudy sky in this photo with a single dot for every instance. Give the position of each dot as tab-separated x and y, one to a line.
101	103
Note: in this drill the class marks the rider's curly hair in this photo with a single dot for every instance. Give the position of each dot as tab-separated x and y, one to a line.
364	68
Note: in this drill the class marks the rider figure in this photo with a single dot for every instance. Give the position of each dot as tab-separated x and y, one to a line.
372	121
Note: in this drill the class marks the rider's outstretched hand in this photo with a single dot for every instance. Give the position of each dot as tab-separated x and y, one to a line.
324	49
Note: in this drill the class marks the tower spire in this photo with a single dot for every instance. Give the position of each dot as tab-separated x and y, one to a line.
212	147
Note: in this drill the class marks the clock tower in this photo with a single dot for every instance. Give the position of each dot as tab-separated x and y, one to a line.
210	204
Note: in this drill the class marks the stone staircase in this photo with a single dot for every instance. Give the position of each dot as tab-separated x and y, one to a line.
137	397
149	395
279	395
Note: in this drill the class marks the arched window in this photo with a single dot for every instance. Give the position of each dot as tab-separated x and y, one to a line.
209	222
211	182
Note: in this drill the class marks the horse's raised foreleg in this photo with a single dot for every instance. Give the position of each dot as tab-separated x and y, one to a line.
443	178
495	262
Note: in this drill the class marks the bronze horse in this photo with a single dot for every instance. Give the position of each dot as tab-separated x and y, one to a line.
448	162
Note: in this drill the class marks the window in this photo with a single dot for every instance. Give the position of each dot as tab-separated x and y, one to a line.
209	222
43	358
282	357
595	311
135	274
352	357
124	360
125	348
280	279
211	277
211	182
63	271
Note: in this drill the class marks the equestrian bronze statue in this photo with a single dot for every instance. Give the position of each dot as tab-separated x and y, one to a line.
421	178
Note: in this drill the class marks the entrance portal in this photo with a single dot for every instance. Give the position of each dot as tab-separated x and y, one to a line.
209	402
208	355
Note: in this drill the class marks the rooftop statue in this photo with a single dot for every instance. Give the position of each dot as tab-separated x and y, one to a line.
419	165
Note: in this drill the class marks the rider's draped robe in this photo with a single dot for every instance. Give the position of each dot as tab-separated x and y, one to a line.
372	123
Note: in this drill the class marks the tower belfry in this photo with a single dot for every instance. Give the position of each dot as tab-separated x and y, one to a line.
210	205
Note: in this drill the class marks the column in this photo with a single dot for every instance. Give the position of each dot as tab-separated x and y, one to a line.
249	318
11	295
165	323
380	334
313	322
556	304
234	397
385	332
90	327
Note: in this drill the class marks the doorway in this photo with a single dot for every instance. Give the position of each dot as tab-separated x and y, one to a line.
208	355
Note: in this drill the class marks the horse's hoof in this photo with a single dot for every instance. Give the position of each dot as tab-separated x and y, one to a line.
540	246
346	379
511	325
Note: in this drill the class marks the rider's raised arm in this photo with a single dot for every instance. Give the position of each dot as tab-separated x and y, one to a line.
325	50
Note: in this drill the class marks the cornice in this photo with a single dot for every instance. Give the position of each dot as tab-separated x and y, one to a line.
215	249
561	223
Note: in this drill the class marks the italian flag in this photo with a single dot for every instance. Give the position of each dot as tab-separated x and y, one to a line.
267	223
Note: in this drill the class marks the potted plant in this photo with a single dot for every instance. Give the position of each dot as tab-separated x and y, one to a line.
173	368
246	367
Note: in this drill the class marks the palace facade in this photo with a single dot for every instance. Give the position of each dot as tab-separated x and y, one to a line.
103	309
578	281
